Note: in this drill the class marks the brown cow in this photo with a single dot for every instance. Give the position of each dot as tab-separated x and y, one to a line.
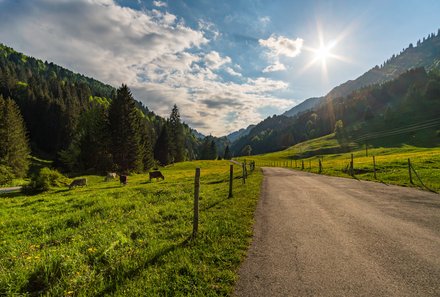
80	182
156	175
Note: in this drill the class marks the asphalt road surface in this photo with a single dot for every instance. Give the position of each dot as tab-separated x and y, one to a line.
317	235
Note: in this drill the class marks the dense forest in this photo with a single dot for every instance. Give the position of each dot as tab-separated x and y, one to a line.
84	125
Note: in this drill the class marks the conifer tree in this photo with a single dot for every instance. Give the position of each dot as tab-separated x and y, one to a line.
213	151
162	148
124	128
177	140
227	154
146	142
14	148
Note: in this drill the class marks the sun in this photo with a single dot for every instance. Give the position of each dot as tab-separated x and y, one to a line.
322	53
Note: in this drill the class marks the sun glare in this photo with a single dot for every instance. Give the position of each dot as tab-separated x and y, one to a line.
322	53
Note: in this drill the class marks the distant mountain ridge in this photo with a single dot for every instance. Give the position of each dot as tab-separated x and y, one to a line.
303	106
425	54
240	133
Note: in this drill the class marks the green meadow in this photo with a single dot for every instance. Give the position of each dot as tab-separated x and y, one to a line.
133	240
391	161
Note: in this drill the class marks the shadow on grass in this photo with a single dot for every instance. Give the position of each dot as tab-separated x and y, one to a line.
214	204
11	194
113	286
61	191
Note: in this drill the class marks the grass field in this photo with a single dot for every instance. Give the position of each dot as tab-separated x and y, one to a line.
391	162
107	239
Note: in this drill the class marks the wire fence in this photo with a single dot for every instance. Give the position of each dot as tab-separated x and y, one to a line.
411	169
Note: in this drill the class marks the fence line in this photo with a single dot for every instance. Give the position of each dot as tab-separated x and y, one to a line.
244	176
374	167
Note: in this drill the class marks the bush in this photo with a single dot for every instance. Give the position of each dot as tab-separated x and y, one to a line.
6	175
46	179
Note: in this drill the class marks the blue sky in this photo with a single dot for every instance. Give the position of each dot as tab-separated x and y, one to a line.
226	64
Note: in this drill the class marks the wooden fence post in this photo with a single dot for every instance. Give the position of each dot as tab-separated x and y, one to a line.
374	167
320	166
302	164
409	171
196	203
351	166
231	178
366	149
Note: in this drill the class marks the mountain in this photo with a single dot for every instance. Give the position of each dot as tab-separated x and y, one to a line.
425	54
303	106
240	133
405	90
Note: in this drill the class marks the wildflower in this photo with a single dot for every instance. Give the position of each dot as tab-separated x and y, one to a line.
91	250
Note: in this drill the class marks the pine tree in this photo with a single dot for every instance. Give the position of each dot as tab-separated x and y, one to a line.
124	128
162	148
94	142
146	141
227	154
177	140
213	151
14	148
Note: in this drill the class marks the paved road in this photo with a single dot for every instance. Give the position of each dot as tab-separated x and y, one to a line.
316	235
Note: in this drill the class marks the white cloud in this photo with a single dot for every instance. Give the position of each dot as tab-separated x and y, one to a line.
282	46
265	20
155	53
209	29
277	66
232	72
160	4
214	61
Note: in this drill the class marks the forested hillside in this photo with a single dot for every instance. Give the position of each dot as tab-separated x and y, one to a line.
426	54
76	120
411	99
404	90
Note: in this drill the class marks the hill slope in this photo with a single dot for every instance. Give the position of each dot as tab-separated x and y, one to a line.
425	54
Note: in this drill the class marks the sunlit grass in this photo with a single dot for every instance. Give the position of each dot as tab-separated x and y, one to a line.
128	240
391	162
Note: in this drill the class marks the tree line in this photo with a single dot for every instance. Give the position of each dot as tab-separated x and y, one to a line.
85	125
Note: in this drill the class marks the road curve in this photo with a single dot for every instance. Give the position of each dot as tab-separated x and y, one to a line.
317	235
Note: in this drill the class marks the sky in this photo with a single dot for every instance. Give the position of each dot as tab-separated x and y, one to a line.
226	64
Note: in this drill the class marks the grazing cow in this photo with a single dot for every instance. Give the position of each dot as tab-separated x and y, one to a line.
80	182
123	179
110	176
156	175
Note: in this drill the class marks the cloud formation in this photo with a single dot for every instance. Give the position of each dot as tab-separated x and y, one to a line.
280	46
162	59
159	4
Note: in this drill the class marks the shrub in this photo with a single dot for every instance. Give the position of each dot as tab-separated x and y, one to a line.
46	179
6	175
